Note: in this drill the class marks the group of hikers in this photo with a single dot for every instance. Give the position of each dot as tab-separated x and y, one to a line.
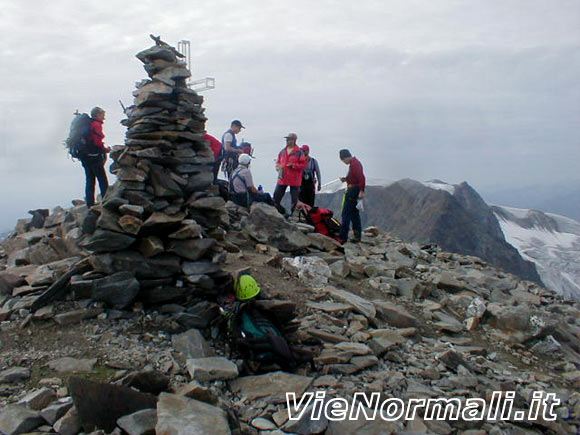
296	170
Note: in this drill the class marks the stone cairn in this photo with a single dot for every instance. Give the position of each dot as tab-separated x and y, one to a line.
158	227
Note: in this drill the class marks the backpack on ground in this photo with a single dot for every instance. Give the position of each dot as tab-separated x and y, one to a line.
78	142
323	221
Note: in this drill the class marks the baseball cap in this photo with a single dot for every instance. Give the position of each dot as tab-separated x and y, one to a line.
291	136
244	159
238	123
305	148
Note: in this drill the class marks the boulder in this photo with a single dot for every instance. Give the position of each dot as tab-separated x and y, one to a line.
191	344
38	399
266	225
394	315
105	241
56	411
117	290
212	368
178	415
313	271
147	381
271	387
361	305
16	419
73	365
139	423
14	374
192	249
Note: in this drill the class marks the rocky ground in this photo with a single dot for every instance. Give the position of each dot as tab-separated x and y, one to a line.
382	316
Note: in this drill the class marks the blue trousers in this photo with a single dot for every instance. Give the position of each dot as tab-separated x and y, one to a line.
94	171
350	213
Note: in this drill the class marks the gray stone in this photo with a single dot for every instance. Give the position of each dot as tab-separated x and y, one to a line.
16	419
57	410
151	246
73	365
266	225
394	315
191	344
261	423
271	387
322	242
306	424
178	415
189	230
199	267
130	224
104	241
361	305
77	316
340	268
117	290
14	374
38	399
69	424
139	423
192	249
212	368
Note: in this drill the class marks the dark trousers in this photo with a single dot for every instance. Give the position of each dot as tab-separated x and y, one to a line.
94	170
245	200
281	190
216	169
350	214
307	192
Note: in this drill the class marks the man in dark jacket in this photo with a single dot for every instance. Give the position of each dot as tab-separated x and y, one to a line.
355	190
94	160
310	178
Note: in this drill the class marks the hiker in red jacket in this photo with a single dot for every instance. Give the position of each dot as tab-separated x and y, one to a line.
290	164
355	190
94	162
216	147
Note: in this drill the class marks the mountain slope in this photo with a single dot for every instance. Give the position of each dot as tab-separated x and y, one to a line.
454	217
552	242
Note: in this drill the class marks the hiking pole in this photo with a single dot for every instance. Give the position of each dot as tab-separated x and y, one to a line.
123	107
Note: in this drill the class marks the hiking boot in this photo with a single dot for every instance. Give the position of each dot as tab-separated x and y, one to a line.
354	240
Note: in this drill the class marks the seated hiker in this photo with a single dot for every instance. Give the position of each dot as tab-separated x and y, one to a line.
254	333
243	191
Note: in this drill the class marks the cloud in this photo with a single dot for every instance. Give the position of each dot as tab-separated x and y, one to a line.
481	91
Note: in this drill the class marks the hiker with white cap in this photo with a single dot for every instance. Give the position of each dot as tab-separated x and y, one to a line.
243	191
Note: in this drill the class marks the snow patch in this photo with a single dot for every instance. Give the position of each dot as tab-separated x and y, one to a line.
440	185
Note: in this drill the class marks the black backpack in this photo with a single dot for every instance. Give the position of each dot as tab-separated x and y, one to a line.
78	142
259	341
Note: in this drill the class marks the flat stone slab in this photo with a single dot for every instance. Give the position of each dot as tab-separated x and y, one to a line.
17	419
178	415
212	368
14	374
271	387
73	365
361	305
330	307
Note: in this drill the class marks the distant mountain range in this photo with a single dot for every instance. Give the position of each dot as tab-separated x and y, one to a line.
561	199
552	242
458	219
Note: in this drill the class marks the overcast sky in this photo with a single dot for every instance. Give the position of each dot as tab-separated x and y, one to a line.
483	91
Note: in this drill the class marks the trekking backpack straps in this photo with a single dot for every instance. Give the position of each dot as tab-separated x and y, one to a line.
78	141
235	175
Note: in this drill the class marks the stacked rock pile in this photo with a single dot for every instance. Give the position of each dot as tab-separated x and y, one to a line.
161	219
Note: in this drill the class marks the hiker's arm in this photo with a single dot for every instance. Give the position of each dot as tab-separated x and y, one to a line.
253	189
317	170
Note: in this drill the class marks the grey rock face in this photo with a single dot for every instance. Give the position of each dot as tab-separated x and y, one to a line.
16	419
183	416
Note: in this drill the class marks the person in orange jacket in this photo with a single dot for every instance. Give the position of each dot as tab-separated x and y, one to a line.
290	165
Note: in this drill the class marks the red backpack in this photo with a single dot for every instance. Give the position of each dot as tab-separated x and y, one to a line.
323	222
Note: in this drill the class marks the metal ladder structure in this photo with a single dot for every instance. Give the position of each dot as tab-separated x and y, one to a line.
200	85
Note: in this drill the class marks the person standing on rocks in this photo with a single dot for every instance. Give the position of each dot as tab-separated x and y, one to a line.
216	147
242	186
290	164
231	148
310	178
355	190
94	161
